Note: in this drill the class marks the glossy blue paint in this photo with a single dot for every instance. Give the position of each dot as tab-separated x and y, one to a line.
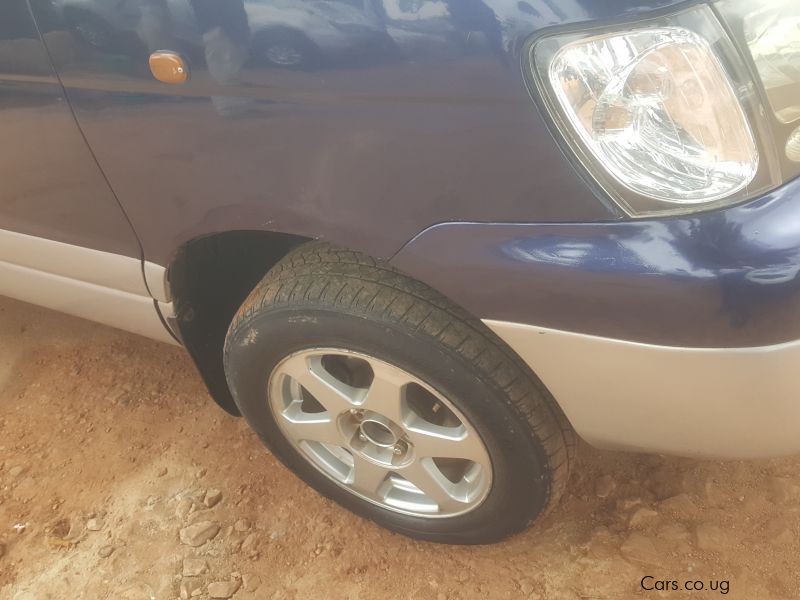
50	184
358	121
728	278
365	122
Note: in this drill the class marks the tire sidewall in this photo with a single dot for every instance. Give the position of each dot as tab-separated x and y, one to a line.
520	482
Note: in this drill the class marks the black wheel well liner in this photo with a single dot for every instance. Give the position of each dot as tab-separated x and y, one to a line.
209	278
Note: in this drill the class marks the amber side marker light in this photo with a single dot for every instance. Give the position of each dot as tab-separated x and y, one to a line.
168	67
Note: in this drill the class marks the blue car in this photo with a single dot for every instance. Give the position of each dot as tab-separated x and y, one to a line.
423	246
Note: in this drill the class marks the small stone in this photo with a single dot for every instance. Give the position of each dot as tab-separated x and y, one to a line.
189	586
242	525
605	486
212	498
641	549
16	471
199	533
710	537
526	588
251	582
135	591
641	517
192	567
200	515
626	504
2	550
223	589
162	471
680	506
250	544
94	524
105	551
184	507
200	473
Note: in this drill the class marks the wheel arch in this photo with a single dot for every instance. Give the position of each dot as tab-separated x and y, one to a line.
209	277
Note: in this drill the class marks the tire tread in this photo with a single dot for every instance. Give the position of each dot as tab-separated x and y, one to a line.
414	304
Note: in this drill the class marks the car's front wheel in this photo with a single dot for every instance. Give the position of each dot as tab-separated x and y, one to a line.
384	396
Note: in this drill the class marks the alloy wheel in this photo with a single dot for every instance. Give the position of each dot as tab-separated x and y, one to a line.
380	432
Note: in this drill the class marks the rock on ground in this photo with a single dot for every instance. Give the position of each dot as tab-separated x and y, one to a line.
189	587
199	533
641	549
192	567
212	498
223	589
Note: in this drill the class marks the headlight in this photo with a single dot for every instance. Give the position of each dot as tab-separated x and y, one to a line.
662	113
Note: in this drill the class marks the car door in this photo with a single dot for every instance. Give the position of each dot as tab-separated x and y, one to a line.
64	240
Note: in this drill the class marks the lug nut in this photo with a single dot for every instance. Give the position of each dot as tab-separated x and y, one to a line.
362	437
398	449
358	414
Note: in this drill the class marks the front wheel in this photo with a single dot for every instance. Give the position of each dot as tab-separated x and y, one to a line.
384	396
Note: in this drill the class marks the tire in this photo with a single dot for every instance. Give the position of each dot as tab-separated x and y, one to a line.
320	297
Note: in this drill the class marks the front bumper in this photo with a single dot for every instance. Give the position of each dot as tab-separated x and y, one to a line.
671	335
728	403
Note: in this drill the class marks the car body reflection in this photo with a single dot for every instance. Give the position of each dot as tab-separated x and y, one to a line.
316	34
282	33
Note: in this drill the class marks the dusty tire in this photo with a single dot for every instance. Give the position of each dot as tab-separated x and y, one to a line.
319	296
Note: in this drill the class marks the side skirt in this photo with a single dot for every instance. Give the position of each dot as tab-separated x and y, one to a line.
99	286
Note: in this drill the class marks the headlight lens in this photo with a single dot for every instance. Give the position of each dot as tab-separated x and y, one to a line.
656	109
655	114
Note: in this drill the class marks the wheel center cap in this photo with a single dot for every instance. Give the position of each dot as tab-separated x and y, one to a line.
378	432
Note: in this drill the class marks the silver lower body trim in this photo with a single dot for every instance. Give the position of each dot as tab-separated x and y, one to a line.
123	309
712	402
